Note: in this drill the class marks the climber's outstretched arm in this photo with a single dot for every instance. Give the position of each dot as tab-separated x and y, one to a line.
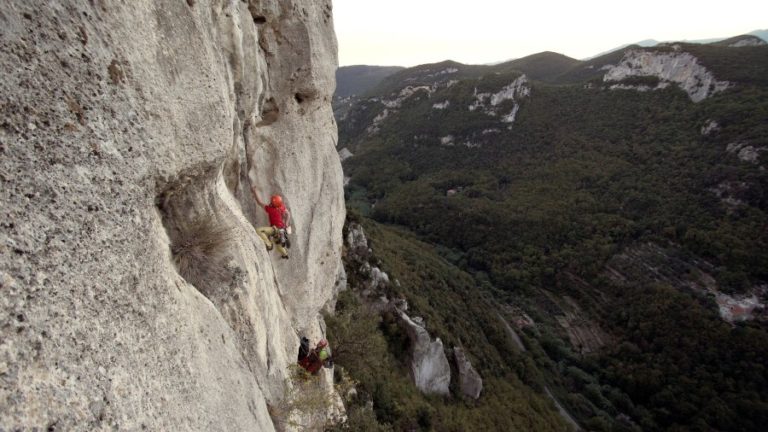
256	197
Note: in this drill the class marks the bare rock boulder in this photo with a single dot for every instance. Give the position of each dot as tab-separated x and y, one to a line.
429	366
357	242
470	382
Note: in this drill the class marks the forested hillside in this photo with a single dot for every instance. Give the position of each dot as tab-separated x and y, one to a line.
617	204
374	349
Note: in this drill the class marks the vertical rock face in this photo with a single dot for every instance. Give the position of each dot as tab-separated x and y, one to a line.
470	382
429	366
135	292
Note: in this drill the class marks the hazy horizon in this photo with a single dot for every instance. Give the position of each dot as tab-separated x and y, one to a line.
400	33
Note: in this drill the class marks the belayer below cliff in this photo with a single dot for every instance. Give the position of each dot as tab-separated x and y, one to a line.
313	359
279	218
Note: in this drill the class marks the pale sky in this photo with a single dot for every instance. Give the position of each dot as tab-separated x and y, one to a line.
412	32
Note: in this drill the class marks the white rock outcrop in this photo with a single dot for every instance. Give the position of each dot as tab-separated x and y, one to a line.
441	105
748	42
345	154
406	93
357	241
379	278
446	71
738	308
429	367
447	140
375	126
710	127
393	105
514	91
129	128
678	67
745	152
641	87
470	382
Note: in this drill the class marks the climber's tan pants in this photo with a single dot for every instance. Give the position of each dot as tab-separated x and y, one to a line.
266	233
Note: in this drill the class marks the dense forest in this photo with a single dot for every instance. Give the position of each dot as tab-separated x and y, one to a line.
632	211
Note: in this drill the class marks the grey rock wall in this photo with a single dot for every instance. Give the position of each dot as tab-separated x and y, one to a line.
678	67
127	126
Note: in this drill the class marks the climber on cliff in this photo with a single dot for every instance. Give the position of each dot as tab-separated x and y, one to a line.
313	359
279	219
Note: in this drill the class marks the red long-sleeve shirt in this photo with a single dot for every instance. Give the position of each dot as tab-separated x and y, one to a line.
277	215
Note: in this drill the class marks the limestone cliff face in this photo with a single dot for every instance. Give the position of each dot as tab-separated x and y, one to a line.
129	130
514	91
678	67
748	41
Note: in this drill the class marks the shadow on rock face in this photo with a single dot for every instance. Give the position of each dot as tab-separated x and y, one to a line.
199	240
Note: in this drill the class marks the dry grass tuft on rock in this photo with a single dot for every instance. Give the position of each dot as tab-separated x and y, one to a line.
197	249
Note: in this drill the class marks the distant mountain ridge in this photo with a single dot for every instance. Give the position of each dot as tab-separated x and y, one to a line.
762	34
547	66
543	66
356	80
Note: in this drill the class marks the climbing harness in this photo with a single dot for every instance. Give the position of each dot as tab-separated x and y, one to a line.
280	236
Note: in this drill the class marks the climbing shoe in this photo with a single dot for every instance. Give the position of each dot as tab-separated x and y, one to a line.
269	247
284	256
